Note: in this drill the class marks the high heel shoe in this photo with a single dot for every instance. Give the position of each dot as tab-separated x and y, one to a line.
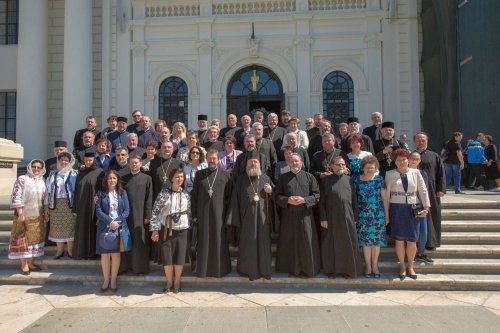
58	256
35	268
25	273
411	276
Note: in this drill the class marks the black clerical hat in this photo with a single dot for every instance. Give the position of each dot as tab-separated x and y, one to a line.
389	124
353	120
89	153
202	117
60	144
120	118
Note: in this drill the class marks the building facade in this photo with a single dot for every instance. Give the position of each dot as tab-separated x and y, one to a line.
175	59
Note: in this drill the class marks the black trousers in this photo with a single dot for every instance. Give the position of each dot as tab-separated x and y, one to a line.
476	175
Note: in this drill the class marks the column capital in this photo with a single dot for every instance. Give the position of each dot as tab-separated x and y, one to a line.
303	43
253	47
205	45
138	48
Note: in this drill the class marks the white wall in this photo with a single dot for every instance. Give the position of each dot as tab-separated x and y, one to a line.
8	68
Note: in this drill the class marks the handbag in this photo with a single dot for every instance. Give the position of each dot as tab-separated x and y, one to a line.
109	239
415	209
122	246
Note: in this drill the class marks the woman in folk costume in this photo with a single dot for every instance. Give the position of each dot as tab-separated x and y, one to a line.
28	231
58	203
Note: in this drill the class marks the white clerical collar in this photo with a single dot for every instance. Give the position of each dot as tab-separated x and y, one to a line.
135	173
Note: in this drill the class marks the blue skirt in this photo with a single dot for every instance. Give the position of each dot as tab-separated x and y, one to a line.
404	227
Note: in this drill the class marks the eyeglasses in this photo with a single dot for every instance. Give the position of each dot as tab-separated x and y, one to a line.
121	154
195	153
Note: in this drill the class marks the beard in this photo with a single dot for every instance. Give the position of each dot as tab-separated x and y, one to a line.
212	166
254	172
132	146
87	144
339	172
250	149
122	163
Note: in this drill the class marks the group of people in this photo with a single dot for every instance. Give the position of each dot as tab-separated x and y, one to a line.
187	197
476	165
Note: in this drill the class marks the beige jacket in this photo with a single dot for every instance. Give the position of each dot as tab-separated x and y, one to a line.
416	185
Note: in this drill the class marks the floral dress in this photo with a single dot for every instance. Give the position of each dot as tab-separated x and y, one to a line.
371	223
355	163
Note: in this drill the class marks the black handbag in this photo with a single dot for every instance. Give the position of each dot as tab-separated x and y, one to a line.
415	209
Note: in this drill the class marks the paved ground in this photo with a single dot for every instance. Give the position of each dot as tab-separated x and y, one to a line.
77	308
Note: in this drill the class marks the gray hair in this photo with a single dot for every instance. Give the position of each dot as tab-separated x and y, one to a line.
213	127
291	134
132	135
272	115
257	124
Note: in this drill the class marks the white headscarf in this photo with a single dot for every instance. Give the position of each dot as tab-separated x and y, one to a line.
67	169
34	187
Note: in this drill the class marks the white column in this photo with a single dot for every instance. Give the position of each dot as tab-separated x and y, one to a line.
303	42
77	84
205	45
31	124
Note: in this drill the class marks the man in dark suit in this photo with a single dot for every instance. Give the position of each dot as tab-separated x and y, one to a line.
353	123
374	130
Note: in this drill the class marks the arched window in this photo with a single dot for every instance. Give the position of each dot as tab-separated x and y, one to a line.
338	97
173	101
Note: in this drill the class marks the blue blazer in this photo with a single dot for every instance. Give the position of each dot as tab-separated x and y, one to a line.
103	218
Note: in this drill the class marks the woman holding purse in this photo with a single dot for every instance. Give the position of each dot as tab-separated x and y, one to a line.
169	225
112	210
409	202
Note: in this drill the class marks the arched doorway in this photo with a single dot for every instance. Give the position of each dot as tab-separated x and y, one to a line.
338	97
254	88
173	101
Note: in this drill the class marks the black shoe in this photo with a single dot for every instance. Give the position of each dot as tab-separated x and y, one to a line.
177	290
35	268
424	258
114	289
411	276
402	277
26	273
460	192
376	275
103	290
166	290
58	256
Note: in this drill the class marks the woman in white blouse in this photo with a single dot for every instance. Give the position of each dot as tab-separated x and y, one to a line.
196	163
302	139
169	225
409	201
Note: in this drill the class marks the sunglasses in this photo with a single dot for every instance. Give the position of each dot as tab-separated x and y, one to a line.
195	153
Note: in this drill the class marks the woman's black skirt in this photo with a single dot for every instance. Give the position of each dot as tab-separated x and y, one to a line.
175	249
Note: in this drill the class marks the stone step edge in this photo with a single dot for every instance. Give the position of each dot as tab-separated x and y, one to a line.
387	281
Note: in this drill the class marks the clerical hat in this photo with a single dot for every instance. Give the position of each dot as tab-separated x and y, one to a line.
60	144
353	120
120	118
89	153
202	117
389	124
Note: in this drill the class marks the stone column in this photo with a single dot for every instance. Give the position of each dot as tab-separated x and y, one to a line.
77	84
31	124
204	45
303	43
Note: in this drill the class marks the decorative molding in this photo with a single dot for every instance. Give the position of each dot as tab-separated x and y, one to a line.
336	4
303	43
172	10
205	45
372	39
219	53
225	7
138	48
287	52
253	47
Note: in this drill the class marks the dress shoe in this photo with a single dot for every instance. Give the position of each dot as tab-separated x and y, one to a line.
103	290
166	290
460	192
58	256
376	275
35	268
177	290
411	276
26	273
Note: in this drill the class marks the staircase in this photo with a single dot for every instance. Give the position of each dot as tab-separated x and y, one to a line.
469	258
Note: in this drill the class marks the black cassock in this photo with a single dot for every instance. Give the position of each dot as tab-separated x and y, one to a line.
88	183
139	189
253	220
432	164
339	243
212	254
159	170
298	250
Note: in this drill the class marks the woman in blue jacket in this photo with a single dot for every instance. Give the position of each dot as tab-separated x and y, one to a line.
112	210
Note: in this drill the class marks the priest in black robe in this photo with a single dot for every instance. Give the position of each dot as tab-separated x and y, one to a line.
209	207
251	151
274	132
120	164
213	140
202	128
159	168
431	163
338	215
385	148
353	124
320	163
88	183
297	192
251	213
139	187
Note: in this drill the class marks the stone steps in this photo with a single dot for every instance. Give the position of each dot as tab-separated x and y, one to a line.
470	225
469	237
387	281
470	214
440	265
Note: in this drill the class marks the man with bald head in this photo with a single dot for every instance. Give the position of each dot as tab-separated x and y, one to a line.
231	128
274	132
